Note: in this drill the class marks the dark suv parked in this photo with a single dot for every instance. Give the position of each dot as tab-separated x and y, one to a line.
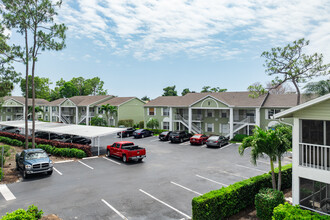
32	161
165	135
180	136
46	135
141	133
126	133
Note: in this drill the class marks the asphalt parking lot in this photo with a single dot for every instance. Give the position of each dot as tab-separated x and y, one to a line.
160	187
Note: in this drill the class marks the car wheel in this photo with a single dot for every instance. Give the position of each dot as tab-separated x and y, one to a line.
108	153
140	160
49	173
181	140
142	136
124	158
25	175
17	167
127	135
220	145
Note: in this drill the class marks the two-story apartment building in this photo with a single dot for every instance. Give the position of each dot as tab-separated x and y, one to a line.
13	108
225	113
311	154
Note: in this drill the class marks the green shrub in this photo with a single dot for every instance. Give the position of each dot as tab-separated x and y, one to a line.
289	212
141	124
126	123
265	202
239	137
227	201
32	213
62	152
97	121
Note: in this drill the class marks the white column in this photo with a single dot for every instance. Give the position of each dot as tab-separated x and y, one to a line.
295	161
87	115
59	114
258	117
24	112
50	113
231	122
171	119
189	119
77	115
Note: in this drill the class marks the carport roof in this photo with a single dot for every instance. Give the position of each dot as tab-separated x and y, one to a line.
60	128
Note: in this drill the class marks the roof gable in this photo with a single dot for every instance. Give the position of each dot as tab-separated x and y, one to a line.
209	102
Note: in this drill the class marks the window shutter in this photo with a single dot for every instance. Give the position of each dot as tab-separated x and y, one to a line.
266	113
148	111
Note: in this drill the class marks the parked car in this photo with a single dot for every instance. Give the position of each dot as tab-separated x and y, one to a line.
11	129
126	150
80	140
217	141
198	139
165	135
126	133
46	135
180	136
141	133
32	161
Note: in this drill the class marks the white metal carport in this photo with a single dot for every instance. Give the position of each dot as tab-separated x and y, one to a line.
92	132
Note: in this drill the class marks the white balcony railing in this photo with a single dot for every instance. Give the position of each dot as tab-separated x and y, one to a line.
314	156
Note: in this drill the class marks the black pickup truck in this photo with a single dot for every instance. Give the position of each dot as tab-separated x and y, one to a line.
180	136
32	161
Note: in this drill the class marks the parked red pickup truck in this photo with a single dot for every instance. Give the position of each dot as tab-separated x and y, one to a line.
126	150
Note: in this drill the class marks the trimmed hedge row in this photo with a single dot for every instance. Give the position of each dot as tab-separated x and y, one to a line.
32	213
288	212
227	201
239	137
62	152
19	140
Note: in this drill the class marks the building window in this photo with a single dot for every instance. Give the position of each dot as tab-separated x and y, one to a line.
209	127
166	125
166	111
209	113
151	111
46	109
314	195
312	132
8	110
272	112
46	118
223	114
54	109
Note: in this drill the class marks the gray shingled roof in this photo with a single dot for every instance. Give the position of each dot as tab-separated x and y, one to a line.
82	100
21	99
230	98
116	101
285	100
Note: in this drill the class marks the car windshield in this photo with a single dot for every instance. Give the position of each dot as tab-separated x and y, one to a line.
35	155
214	138
165	133
140	130
175	133
196	136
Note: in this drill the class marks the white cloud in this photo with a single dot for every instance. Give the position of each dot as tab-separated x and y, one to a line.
151	29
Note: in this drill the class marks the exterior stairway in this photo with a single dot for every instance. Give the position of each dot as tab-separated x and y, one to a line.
185	122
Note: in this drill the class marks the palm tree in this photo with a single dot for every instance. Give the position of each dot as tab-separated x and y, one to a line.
320	88
109	110
153	123
284	133
37	109
262	142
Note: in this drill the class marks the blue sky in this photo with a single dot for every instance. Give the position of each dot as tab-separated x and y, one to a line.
139	47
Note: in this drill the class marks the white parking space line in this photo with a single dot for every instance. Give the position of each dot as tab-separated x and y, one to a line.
57	171
6	193
185	143
86	165
222	148
154	140
64	161
211	180
171	207
233	174
111	160
186	188
87	158
204	145
251	168
115	210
